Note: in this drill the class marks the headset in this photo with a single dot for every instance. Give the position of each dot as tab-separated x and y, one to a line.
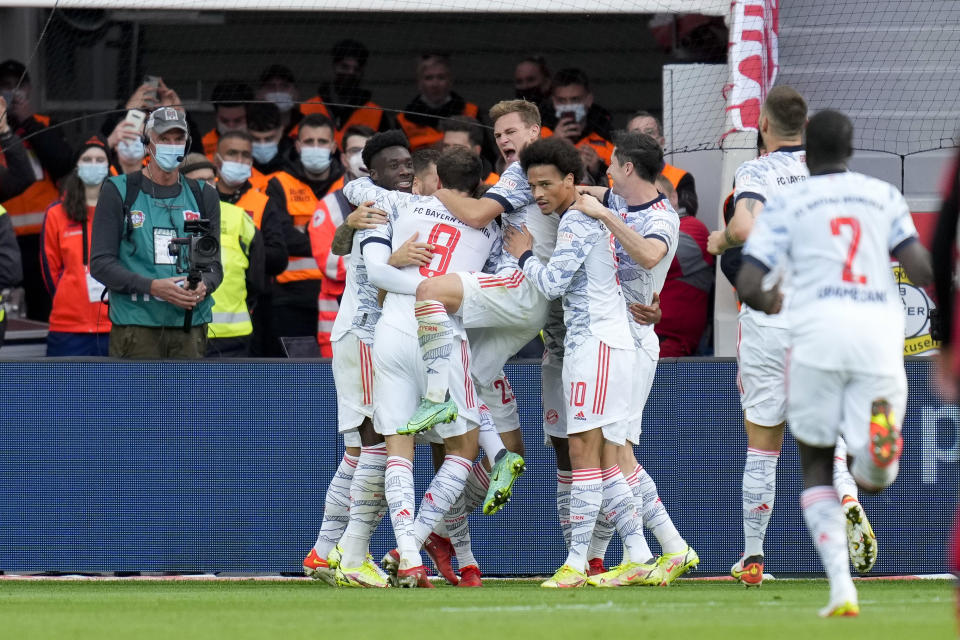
150	124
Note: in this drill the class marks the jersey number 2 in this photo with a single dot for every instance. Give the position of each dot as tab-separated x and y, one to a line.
444	239
835	225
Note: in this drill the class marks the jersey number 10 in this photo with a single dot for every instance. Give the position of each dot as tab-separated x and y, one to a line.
444	239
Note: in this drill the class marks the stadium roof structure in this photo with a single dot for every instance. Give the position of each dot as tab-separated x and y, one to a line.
706	7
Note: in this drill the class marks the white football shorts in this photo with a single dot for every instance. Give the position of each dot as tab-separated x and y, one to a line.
645	368
501	403
353	377
761	372
596	389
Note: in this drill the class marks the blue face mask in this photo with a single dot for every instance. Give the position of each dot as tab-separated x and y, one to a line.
264	152
315	158
169	156
92	173
131	150
234	173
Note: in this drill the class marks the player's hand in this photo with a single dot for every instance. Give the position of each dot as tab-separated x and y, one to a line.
716	243
517	241
169	290
647	313
592	207
366	217
412	253
591	161
596	191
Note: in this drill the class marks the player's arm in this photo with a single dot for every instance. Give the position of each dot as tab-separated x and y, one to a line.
767	248
575	239
473	212
366	216
645	251
905	245
376	255
737	231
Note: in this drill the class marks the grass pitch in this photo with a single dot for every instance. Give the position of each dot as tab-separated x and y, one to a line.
500	610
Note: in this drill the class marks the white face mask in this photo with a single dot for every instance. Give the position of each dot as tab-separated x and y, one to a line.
282	99
234	173
315	158
131	150
169	156
264	152
355	163
579	111
92	173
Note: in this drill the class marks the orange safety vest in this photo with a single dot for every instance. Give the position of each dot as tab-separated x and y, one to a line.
254	202
321	230
673	174
259	180
27	209
492	178
370	114
301	204
421	136
210	140
601	145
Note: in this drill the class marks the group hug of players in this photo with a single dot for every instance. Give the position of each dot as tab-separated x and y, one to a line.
442	288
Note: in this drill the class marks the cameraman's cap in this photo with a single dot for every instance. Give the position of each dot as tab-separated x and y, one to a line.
166	118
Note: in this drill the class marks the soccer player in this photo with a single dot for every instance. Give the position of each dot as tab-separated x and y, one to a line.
764	340
502	312
646	228
355	498
399	365
833	236
597	362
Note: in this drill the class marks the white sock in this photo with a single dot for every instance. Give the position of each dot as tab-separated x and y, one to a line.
586	494
655	516
825	522
399	488
843	482
366	504
435	332
620	507
475	490
564	478
336	507
602	534
759	491
490	441
444	489
459	528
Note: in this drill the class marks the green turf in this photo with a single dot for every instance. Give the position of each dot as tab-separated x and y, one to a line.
499	611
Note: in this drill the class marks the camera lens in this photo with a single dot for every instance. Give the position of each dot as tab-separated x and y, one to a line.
207	246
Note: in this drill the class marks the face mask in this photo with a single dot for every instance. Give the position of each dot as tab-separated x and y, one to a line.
282	99
131	150
315	158
578	110
92	173
222	128
234	173
356	165
264	152
169	156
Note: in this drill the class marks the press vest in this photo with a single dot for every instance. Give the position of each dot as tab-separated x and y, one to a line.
151	224
231	318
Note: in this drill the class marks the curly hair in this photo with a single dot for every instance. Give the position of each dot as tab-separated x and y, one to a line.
381	141
554	151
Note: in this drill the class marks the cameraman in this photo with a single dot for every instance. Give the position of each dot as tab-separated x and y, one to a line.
129	251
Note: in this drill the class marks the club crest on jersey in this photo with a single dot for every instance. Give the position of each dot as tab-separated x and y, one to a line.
190	215
136	219
552	416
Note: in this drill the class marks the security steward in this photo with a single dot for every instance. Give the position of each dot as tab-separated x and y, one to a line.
137	216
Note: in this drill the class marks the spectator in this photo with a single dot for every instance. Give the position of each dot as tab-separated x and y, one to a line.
330	214
51	158
421	118
229	100
311	172
147	97
425	178
126	143
11	271
277	85
16	172
575	117
685	297
241	253
79	321
467	132
344	100
531	80
148	294
270	146
681	180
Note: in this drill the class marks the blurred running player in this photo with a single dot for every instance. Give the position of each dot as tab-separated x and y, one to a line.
399	366
598	363
833	236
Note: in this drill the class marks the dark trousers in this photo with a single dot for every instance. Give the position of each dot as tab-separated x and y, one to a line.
158	343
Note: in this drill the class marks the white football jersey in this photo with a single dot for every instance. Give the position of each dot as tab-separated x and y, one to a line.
513	193
456	247
834	235
654	219
583	270
761	179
